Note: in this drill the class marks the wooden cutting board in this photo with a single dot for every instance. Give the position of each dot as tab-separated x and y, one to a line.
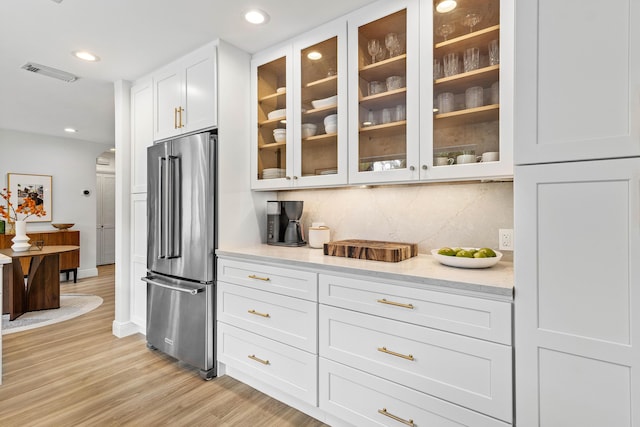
372	250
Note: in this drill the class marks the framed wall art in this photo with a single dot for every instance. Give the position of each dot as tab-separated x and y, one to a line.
32	192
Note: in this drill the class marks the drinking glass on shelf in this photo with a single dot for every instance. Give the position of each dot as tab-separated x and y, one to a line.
450	61
471	19
437	69
471	59
392	43
373	46
494	52
444	30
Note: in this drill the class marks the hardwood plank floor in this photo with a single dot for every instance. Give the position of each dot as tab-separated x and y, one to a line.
77	373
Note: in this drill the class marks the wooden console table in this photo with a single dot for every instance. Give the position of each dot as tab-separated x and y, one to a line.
69	261
42	290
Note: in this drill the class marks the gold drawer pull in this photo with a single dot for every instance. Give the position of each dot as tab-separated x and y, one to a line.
397	304
253	276
257	313
384	412
393	353
253	357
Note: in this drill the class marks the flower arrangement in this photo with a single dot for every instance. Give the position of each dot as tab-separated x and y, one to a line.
27	208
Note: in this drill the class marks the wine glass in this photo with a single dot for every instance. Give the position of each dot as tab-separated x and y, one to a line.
444	30
373	46
391	42
471	19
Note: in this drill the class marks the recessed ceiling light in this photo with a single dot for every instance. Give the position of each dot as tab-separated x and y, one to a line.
86	56
445	6
256	16
314	55
70	130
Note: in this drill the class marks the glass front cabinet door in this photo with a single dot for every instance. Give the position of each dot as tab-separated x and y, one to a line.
320	107
272	155
383	93
467	109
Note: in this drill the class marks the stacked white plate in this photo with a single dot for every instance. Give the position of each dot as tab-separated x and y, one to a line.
271	173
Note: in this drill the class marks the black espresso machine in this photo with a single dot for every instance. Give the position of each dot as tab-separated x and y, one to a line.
283	223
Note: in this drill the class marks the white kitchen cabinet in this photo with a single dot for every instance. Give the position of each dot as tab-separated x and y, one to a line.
184	93
578	80
290	79
384	124
577	295
141	133
469	127
138	270
267	319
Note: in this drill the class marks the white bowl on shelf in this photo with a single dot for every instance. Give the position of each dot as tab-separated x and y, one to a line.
308	129
281	90
326	102
280	137
331	128
331	119
277	114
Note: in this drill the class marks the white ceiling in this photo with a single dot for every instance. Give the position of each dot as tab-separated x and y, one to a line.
132	38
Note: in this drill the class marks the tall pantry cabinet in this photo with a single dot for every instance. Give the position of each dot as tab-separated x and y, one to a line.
577	213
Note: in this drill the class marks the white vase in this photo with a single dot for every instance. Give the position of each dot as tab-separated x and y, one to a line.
21	240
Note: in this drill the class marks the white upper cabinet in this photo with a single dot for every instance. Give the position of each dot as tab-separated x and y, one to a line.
384	93
141	133
578	87
185	97
466	108
299	137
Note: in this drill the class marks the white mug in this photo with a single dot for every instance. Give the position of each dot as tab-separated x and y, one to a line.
489	156
318	236
444	161
466	158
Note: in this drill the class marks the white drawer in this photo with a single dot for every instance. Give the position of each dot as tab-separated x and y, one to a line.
469	372
474	317
279	365
289	320
285	281
358	398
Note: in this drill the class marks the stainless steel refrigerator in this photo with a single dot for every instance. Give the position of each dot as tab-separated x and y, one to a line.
181	236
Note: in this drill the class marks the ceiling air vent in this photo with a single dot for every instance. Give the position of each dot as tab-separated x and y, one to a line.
50	72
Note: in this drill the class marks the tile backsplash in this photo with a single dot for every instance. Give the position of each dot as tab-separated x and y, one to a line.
432	215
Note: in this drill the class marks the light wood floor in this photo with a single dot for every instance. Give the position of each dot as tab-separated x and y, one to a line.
76	373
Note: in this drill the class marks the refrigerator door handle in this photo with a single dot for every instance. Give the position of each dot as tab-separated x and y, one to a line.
160	208
190	291
175	201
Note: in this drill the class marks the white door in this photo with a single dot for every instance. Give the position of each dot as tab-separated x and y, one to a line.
106	219
577	80
577	294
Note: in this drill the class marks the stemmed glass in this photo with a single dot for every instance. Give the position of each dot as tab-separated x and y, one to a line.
374	47
471	19
444	30
392	43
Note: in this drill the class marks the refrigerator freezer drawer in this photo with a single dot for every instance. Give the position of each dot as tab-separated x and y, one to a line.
180	320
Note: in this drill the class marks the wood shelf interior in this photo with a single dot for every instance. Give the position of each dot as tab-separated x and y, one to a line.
486	113
484	77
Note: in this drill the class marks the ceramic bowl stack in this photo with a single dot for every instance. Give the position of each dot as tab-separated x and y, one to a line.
331	101
308	129
331	123
277	114
280	135
271	173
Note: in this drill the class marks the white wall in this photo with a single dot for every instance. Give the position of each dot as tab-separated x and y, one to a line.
72	166
432	215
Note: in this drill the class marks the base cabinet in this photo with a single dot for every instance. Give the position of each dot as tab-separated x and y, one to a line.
352	350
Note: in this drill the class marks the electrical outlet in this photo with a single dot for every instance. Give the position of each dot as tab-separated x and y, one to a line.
505	239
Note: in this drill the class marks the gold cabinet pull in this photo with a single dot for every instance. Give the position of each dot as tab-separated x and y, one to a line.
384	412
257	313
253	276
393	353
397	304
175	118
257	359
180	110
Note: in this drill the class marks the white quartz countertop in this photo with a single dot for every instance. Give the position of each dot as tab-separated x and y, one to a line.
4	259
421	270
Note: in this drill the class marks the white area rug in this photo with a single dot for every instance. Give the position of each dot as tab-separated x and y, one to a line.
71	305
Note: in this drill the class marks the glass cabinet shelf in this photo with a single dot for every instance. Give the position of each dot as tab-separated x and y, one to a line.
480	77
486	113
479	37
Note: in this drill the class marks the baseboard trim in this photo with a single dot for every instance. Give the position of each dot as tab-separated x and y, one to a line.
124	329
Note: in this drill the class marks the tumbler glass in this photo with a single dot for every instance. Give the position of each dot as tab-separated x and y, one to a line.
471	59
494	52
450	61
